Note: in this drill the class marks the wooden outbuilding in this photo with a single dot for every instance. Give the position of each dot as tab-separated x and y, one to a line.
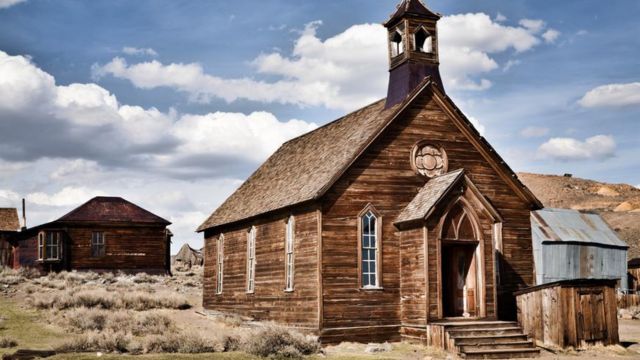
633	275
9	226
104	234
571	313
394	217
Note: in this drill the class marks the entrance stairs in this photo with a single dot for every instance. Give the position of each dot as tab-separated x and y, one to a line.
477	339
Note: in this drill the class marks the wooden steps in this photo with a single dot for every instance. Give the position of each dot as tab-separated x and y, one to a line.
489	340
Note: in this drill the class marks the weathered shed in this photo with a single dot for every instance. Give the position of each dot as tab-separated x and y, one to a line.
9	226
568	244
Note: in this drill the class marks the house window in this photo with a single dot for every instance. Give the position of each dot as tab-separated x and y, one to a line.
370	244
423	41
289	257
49	246
220	263
97	244
397	43
251	260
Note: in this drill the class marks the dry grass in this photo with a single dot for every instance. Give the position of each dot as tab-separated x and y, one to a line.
81	320
109	300
281	343
7	342
106	341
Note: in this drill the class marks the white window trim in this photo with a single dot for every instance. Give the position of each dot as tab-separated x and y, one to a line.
251	260
397	48
289	254
378	249
44	244
220	264
41	243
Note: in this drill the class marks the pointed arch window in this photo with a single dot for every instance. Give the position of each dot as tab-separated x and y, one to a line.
458	225
423	41
289	253
251	260
370	245
220	263
397	43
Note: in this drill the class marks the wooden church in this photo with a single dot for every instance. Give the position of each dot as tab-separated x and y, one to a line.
394	221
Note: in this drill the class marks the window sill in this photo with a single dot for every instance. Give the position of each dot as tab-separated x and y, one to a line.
46	261
289	290
372	288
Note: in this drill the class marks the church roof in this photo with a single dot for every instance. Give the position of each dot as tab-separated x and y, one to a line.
304	168
9	219
429	196
411	7
111	209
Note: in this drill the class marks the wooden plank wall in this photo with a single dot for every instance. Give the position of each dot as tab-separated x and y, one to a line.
127	248
6	250
269	301
413	282
384	178
564	316
626	301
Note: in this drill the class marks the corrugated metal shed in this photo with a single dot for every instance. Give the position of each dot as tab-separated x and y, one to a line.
570	245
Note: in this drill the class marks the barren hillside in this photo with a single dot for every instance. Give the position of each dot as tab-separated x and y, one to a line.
619	204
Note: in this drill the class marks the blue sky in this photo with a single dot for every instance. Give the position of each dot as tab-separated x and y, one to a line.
172	104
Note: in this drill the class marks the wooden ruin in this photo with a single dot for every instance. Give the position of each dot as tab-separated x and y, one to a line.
570	314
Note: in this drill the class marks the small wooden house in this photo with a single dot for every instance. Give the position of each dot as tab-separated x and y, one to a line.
568	245
9	226
104	234
379	224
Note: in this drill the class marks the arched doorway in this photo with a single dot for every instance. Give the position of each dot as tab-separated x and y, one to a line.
460	242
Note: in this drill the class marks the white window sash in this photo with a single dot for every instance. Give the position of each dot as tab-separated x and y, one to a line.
251	262
289	254
220	262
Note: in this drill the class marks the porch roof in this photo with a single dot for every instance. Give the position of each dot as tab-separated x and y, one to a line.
429	196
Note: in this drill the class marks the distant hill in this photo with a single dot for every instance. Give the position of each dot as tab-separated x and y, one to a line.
619	204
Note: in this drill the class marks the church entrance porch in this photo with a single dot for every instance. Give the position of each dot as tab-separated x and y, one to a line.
460	281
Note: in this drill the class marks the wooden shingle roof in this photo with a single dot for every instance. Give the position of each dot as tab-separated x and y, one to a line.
429	196
111	209
304	168
9	219
411	7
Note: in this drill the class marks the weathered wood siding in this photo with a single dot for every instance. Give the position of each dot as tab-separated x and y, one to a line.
383	177
126	248
269	301
6	250
570	314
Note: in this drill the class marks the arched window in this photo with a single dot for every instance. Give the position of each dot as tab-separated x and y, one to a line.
423	41
397	43
251	260
458	226
370	228
289	253
220	263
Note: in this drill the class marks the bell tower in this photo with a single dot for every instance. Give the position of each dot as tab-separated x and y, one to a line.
413	49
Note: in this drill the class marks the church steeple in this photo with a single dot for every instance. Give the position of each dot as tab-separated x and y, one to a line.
413	49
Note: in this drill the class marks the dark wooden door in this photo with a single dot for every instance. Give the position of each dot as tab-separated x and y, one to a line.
591	318
458	271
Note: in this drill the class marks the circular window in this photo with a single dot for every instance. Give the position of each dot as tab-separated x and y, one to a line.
429	160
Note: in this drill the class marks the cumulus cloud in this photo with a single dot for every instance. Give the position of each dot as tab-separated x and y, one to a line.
85	121
65	197
476	124
534	131
568	149
551	35
533	25
129	50
344	71
613	95
8	3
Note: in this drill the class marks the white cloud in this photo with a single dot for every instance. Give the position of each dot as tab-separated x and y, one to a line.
567	149
534	25
534	131
500	17
75	168
85	121
8	3
65	197
551	35
9	198
344	71
476	124
510	64
129	50
612	95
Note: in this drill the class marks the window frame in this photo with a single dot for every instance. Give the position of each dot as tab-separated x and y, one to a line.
378	250
95	244
397	48
428	40
219	264
251	261
45	247
289	254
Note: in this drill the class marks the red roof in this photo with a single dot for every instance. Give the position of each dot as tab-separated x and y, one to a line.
112	209
9	219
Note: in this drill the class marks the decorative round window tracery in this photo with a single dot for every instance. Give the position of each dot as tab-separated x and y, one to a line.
429	160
